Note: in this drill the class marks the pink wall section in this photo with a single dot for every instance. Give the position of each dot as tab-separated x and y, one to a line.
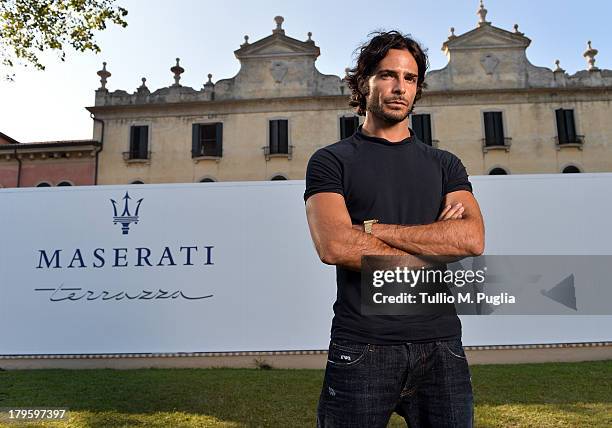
8	173
79	172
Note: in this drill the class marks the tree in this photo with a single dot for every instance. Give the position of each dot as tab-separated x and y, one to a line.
28	27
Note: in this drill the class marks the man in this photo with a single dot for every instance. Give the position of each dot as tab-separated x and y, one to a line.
384	192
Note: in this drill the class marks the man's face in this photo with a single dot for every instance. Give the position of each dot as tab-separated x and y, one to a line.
393	86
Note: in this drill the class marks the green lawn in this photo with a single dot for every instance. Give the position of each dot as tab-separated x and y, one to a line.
526	395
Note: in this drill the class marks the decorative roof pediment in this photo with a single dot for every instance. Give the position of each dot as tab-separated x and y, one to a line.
487	37
486	57
277	44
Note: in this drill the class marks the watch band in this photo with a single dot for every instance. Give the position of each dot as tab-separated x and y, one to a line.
367	225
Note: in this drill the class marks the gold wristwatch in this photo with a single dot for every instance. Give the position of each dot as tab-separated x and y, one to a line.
367	225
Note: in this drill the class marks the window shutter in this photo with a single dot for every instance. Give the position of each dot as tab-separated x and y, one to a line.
133	142
343	128
421	125
195	140
494	129
273	137
279	137
570	126
489	129
283	144
561	128
219	139
499	129
417	126
426	119
348	126
143	144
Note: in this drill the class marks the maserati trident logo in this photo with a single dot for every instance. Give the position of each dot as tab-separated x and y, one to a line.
125	218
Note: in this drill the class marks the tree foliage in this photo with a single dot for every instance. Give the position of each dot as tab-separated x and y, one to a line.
29	27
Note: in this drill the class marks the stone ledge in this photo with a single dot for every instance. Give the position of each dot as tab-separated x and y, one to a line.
306	359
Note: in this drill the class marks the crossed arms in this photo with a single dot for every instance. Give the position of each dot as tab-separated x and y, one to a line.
458	233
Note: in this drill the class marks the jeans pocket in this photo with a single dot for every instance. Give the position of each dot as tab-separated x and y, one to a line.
453	347
344	353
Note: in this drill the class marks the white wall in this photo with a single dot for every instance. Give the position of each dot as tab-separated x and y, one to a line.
270	291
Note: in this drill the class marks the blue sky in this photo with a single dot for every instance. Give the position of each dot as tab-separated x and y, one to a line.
50	105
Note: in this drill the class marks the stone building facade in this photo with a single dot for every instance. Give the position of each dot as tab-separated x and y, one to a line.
501	114
264	123
489	105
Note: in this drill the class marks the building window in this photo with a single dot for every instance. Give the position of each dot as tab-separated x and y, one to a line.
494	132
494	128
279	137
421	125
207	140
571	169
348	126
64	183
498	171
207	180
566	128
136	182
278	178
278	143
139	143
43	184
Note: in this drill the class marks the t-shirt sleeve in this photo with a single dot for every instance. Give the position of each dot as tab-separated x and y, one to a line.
323	174
456	175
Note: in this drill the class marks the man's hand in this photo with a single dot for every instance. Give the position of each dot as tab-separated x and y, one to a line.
450	212
461	235
453	212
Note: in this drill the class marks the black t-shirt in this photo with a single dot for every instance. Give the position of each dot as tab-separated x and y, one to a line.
397	183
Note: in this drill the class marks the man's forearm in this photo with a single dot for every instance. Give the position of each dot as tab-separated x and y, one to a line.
443	238
353	244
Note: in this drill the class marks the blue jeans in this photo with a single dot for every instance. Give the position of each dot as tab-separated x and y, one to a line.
429	384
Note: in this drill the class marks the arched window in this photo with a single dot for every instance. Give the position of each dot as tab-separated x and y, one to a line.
207	180
64	183
498	171
43	184
136	182
571	169
278	177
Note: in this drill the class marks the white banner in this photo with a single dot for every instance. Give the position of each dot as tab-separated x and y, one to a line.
212	267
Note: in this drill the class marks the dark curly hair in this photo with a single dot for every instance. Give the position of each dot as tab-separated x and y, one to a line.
371	53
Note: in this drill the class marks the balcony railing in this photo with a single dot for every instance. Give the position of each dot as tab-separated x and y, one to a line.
577	141
505	146
135	157
203	154
268	154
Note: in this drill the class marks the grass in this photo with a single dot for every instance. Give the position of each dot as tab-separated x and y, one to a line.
526	395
